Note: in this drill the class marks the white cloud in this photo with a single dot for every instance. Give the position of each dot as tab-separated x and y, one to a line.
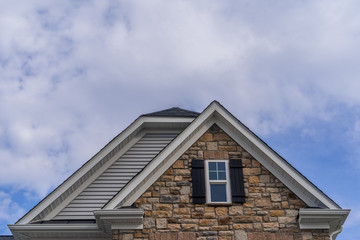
10	211
74	74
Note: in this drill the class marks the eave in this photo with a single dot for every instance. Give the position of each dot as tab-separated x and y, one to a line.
329	219
125	218
57	231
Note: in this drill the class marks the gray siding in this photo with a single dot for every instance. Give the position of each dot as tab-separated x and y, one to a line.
112	180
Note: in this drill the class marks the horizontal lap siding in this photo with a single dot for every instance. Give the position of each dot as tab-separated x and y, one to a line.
112	180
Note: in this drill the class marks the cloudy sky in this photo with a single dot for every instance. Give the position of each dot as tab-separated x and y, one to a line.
73	74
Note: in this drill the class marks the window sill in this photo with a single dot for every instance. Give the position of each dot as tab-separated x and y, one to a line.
218	204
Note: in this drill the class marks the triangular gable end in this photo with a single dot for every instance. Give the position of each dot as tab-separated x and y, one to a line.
217	114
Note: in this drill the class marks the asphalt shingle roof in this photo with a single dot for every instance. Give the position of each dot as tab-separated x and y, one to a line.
173	112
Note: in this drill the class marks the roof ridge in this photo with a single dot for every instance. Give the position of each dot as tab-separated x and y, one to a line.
173	112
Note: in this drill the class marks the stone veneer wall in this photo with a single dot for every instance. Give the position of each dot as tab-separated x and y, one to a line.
270	210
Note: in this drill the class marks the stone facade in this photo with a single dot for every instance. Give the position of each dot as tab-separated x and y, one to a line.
270	210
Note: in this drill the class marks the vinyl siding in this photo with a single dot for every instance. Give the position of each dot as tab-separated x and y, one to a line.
112	180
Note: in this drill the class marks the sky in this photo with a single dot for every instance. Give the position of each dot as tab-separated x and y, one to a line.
74	74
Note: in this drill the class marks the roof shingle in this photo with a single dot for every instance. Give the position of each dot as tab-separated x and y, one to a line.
173	112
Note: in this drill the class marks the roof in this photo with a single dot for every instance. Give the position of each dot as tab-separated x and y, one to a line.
106	167
173	112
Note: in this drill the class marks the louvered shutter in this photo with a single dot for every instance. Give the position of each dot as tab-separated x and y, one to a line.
237	181
198	181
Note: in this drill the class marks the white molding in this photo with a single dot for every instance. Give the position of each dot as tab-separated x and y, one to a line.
331	219
123	219
57	231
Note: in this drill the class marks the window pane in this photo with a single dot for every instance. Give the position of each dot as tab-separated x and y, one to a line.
221	176
218	192
212	176
221	166
212	166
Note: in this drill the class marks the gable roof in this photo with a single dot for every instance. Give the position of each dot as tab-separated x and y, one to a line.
215	113
185	127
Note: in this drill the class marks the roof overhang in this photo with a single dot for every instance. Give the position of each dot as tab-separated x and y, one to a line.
125	218
331	219
57	231
106	221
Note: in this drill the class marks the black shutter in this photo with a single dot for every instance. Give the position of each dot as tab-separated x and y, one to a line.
237	181
198	181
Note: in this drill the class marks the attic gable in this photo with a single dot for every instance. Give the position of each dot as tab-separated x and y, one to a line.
217	114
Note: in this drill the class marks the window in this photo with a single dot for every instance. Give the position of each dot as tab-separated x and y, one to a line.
217	181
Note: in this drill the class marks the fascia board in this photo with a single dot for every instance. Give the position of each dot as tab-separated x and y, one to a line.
137	125
53	227
21	231
265	154
128	195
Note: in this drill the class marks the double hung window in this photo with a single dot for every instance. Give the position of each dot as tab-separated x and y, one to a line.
217	181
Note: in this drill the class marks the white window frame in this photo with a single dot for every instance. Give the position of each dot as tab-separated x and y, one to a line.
208	181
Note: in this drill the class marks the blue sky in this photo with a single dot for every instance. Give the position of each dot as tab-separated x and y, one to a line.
73	74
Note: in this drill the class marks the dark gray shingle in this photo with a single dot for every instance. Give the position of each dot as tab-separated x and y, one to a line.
173	112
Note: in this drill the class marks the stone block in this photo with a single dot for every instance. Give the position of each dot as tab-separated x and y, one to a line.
161	223
178	164
243	226
182	211
277	213
236	210
253	180
262	202
160	214
221	211
275	197
223	220
163	206
149	222
240	235
173	227
208	222
169	199
185	190
212	146
189	227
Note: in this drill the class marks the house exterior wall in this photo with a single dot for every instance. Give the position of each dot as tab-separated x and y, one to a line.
270	210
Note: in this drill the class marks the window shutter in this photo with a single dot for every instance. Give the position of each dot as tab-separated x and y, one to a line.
237	180
198	181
